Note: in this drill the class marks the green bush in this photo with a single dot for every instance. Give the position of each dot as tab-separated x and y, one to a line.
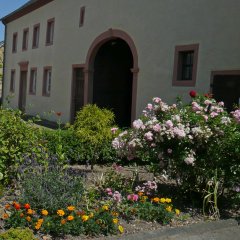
50	187
18	234
17	138
75	150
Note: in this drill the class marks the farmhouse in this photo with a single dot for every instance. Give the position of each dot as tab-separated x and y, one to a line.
61	55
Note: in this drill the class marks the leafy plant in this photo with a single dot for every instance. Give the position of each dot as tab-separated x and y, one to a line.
93	128
50	187
17	137
18	234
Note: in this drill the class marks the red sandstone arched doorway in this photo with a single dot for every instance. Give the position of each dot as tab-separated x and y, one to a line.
98	51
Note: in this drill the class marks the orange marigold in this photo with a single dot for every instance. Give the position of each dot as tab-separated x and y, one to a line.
156	199
30	211
27	206
70	218
7	206
5	216
60	212
28	219
71	208
63	221
44	212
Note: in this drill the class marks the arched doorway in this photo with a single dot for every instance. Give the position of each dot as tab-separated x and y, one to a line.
112	80
111	75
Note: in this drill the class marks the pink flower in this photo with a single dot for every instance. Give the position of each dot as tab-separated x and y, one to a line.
114	129
108	191
157	128
157	100
169	124
138	124
148	136
149	106
213	114
117	196
196	107
221	104
132	197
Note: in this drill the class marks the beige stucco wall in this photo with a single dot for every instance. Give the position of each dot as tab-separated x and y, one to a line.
156	27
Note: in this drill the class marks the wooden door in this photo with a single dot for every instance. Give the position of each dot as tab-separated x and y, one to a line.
77	91
226	88
22	91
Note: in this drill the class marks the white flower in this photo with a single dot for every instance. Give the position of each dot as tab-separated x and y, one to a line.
138	124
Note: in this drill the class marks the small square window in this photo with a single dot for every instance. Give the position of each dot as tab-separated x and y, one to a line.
47	78
185	65
25	39
36	33
50	32
14	43
12	82
82	16
33	81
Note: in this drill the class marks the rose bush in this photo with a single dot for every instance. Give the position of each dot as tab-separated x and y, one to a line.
188	143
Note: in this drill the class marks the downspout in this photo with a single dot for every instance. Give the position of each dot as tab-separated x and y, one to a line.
4	59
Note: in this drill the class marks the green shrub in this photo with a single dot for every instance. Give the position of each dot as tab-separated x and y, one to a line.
17	137
50	187
75	150
87	141
18	234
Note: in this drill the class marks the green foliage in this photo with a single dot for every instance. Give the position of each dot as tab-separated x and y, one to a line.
17	137
74	149
18	234
93	129
50	187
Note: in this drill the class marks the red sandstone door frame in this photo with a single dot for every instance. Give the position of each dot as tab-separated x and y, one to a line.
88	73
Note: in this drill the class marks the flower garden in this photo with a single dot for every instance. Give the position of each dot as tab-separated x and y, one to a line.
195	147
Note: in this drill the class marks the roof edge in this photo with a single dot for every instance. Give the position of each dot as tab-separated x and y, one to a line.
25	9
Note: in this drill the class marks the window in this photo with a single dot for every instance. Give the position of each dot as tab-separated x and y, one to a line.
25	39
12	81
82	16
50	32
14	43
33	81
185	65
36	33
47	77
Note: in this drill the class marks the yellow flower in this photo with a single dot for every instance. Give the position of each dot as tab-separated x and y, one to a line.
44	212
60	212
85	218
140	194
168	200
70	218
115	220
156	199
91	215
169	208
177	211
63	221
105	207
115	214
162	200
28	219
71	208
38	226
121	229
30	211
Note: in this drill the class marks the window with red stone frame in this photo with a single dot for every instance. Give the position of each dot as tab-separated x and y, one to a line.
185	65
